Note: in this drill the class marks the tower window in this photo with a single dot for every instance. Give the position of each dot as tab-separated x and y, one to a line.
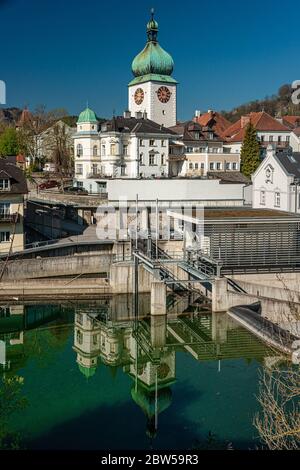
79	169
113	149
152	142
95	151
103	150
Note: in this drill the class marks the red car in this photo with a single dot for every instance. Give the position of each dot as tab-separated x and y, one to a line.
48	184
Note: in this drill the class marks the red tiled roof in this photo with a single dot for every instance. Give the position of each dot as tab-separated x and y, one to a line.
297	131
20	158
214	120
291	121
261	121
25	118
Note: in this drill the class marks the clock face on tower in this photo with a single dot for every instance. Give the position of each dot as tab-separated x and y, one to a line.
163	94
139	96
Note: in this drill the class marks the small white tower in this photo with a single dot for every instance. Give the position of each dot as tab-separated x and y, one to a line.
87	145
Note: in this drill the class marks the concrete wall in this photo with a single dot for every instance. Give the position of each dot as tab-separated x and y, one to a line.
224	297
59	266
175	190
122	280
290	280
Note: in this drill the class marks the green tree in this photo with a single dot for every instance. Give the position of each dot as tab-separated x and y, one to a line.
9	143
11	400
250	153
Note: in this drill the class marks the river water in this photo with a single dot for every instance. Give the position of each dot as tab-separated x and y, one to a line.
97	378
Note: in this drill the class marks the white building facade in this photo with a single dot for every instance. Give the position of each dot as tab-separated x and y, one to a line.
276	182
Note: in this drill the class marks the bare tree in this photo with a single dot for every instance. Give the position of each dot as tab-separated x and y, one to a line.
278	422
60	145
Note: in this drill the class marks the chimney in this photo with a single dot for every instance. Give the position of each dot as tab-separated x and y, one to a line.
127	114
197	113
245	121
145	115
138	115
271	151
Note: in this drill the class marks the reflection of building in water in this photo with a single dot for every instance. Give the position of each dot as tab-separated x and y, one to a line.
16	321
94	341
11	334
142	353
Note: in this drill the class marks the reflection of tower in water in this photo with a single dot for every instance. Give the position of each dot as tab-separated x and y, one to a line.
97	339
153	371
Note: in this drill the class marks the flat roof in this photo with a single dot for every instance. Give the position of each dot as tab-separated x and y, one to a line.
249	214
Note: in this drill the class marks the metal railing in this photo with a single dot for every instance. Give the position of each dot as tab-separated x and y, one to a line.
7	217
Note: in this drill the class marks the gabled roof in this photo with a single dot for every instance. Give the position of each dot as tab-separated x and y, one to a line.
132	124
262	122
214	120
18	183
290	163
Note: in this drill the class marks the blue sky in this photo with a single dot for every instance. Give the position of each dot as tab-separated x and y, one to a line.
63	53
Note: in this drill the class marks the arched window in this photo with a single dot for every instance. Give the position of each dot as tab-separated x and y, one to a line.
95	151
79	150
151	159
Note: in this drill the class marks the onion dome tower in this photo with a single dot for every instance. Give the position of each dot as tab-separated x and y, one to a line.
153	89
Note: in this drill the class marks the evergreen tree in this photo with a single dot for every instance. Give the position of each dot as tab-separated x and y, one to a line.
9	144
250	153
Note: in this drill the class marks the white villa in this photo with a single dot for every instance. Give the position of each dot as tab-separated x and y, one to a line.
276	182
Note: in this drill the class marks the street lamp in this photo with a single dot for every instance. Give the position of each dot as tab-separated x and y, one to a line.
296	182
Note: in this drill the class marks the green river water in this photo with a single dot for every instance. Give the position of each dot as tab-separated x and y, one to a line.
95	378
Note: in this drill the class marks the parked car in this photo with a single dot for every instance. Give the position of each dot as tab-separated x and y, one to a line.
48	184
76	190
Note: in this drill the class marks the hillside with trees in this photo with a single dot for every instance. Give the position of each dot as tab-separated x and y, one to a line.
276	105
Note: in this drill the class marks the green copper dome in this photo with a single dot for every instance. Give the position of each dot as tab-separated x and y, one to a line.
153	59
87	371
87	115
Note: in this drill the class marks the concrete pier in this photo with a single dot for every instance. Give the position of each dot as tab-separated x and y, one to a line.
158	298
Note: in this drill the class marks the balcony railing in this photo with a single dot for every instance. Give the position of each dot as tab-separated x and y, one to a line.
10	218
277	144
95	175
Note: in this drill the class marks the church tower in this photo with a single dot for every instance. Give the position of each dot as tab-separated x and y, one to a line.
153	89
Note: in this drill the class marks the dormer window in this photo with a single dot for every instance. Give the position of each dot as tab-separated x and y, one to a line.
4	184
